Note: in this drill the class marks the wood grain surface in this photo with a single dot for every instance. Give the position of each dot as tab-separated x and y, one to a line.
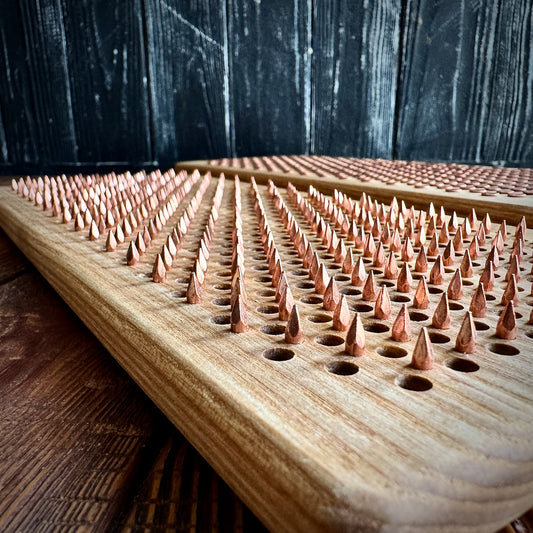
306	446
82	447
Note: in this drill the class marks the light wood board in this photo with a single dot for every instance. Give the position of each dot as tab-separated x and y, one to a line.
305	448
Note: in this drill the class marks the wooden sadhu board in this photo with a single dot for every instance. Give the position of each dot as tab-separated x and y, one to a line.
346	430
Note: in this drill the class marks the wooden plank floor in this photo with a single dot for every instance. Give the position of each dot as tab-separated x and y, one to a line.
81	446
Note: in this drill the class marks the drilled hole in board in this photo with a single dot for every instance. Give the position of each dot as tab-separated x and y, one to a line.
467	282
221	320
462	365
330	340
268	309
393	352
294	262
222	301
328	256
259	249
416	316
222	286
386	284
305	285
414	383
259	259
225	254
529	334
449	270
264	279
503	349
311	299
342	368
400	298
224	263
179	294
185	281
490	297
518	315
278	354
361	308
342	277
435	290
300	273
481	326
521	289
292	253
224	274
454	306
273	329
376	327
260	268
319	319
350	291
438	338
267	293
475	264
417	275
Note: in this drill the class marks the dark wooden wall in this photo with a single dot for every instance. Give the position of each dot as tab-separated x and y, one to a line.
144	81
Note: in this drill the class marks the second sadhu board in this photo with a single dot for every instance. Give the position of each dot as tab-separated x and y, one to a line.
396	398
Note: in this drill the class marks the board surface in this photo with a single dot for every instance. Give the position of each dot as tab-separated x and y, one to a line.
310	437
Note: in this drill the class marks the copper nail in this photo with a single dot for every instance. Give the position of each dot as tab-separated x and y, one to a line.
421	263
341	315
407	252
382	308
514	269
286	304
405	280
506	327
478	306
436	275
423	353
455	287
159	272
466	338
239	316
379	256
321	280
487	277
355	338
293	329
433	248
132	255
349	262
359	273
331	295
510	294
111	242
421	297
370	289
441	316
401	329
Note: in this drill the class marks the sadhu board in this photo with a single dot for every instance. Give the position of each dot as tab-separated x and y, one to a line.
333	357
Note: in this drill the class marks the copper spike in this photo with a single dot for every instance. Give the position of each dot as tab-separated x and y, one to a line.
111	242
239	316
159	272
487	277
396	242
341	315
332	295
379	256
478	306
359	273
282	286
321	280
458	241
166	257
401	329
132	255
94	232
503	231
355	338
498	242
421	263
444	236
433	248
349	261
193	290
531	317
441	316
467	269
370	289
448	256
407	250
391	267
487	223
510	294
514	269
370	246
421	298
382	309
506	327
455	287
466	338
436	275
340	252
286	304
293	329
139	243
493	257
405	280
423	352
